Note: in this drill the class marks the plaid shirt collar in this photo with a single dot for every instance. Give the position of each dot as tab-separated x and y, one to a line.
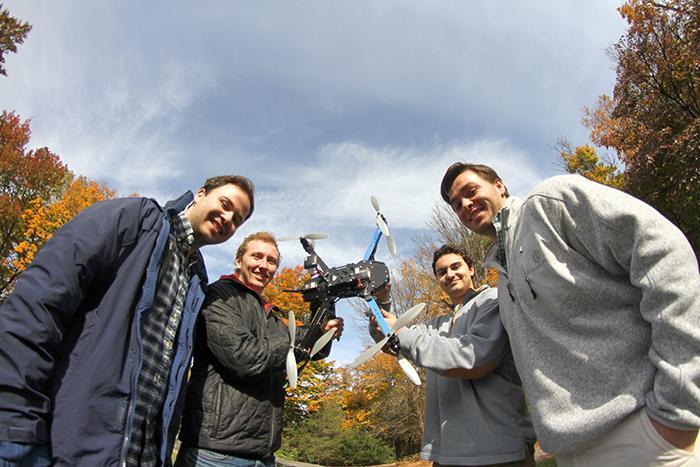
182	230
501	223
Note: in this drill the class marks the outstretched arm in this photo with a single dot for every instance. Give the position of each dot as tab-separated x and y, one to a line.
470	350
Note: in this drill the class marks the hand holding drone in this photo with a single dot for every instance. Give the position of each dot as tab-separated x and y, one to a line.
328	285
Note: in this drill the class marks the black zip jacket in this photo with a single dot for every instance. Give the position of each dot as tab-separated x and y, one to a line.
236	396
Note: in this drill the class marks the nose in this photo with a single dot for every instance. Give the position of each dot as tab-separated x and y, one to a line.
466	203
463	208
227	219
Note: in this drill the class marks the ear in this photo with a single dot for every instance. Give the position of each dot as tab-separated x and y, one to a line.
199	195
501	188
472	271
238	262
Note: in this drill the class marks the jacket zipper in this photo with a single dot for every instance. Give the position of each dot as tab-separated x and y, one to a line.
134	376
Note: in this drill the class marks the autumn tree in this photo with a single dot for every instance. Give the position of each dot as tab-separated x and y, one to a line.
41	219
27	177
584	160
12	33
38	194
380	399
653	119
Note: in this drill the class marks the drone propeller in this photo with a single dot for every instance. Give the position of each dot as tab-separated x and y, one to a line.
381	223
291	360
321	342
403	320
308	236
409	370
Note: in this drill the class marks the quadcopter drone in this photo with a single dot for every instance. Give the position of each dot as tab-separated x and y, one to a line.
330	284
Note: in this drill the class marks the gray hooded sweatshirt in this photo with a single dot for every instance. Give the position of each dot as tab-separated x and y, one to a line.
469	421
601	301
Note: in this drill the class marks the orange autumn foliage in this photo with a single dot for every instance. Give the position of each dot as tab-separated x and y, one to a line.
38	194
42	220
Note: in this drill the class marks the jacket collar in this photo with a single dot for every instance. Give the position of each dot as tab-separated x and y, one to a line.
179	204
267	306
510	212
173	208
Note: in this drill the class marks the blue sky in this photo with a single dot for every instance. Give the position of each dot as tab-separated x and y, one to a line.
320	103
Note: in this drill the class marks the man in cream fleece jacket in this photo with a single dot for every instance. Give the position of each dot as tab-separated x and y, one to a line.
475	412
600	296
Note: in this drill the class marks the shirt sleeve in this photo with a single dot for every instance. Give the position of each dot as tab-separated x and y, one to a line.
471	344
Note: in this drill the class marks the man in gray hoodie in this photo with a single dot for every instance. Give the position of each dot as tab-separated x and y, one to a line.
600	296
475	412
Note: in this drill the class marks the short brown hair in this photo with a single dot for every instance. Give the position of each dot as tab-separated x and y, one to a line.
266	237
454	171
240	181
450	248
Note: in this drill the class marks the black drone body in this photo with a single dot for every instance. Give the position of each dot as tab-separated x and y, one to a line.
361	279
328	285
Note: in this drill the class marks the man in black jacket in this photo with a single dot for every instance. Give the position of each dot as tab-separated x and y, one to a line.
96	339
233	413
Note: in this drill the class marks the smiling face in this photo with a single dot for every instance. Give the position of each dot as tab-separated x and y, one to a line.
216	214
257	265
476	200
454	276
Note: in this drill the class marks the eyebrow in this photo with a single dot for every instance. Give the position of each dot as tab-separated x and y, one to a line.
443	269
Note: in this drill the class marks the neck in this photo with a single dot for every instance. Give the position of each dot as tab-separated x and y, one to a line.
491	234
258	290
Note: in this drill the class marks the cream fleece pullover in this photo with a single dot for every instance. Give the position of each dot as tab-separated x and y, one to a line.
601	301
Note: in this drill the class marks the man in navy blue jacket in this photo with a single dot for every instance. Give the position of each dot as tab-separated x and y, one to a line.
96	339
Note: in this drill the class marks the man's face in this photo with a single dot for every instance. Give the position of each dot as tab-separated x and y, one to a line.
258	265
476	200
215	215
454	276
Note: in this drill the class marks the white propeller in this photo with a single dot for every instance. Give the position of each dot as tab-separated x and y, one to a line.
308	236
409	370
369	352
403	320
291	360
381	223
321	342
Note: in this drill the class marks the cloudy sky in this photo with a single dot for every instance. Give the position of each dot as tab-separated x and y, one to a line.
320	103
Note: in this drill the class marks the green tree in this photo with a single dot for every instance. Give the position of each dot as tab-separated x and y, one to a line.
12	33
322	439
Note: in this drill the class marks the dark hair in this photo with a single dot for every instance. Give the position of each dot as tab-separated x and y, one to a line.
454	171
261	236
450	248
240	181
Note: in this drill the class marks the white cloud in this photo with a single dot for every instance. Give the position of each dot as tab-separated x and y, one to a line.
335	188
322	104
